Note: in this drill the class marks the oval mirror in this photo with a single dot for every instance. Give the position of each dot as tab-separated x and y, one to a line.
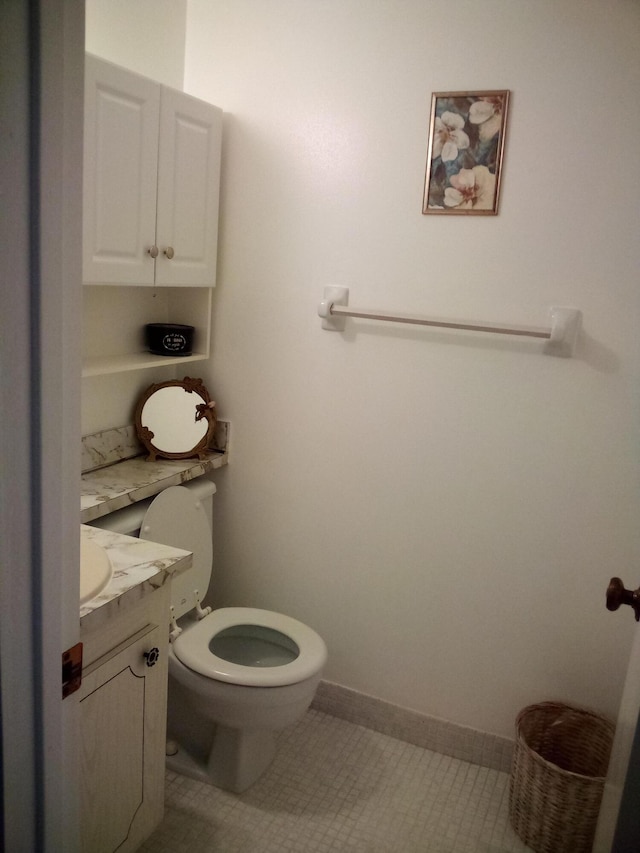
176	419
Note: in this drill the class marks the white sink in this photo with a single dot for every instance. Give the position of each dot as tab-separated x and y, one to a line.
95	570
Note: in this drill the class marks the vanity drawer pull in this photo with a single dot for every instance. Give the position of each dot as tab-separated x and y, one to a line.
152	656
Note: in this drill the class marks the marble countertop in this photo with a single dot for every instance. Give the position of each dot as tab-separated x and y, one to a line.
131	480
139	568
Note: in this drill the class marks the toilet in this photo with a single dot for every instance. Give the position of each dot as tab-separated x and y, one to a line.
237	675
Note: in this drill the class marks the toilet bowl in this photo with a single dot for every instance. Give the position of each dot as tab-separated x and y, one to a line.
237	675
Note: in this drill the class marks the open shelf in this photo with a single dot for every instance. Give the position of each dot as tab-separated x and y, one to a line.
114	320
134	361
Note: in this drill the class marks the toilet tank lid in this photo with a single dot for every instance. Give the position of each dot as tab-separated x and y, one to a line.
201	487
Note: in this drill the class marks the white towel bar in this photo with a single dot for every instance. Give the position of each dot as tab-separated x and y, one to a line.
561	335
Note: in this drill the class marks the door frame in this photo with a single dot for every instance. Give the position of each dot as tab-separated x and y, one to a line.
627	834
41	114
618	829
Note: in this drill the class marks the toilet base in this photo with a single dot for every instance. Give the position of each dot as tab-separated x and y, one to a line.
237	759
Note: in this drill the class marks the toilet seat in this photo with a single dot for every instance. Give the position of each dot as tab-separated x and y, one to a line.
192	648
177	517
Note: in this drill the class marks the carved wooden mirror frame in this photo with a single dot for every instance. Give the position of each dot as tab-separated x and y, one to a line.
204	409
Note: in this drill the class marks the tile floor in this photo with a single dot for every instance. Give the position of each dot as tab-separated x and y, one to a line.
336	787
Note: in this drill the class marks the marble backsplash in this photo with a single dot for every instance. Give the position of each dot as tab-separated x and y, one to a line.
109	446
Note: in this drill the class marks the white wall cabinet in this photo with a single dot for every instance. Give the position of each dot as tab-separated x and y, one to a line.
151	187
151	181
123	729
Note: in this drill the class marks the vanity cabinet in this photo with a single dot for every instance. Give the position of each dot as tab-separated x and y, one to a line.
122	703
151	181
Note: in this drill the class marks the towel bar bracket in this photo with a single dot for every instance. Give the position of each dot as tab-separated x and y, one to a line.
333	297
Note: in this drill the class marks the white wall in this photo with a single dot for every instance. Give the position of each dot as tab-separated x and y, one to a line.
445	509
146	36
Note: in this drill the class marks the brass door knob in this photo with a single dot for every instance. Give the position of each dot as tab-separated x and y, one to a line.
169	252
617	595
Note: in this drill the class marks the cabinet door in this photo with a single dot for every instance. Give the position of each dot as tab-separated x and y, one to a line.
123	729
122	113
188	190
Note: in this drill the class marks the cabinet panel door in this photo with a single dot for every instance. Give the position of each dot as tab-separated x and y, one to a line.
122	113
188	190
123	717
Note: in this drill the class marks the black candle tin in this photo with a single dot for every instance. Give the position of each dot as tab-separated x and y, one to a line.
170	339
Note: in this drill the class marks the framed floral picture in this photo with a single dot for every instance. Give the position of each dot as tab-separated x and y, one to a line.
464	155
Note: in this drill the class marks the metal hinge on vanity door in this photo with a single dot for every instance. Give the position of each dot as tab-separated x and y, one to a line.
71	670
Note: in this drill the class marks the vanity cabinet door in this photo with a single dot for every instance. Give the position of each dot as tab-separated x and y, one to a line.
188	190
122	744
122	114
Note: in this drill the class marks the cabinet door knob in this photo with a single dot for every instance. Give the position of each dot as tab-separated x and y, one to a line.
169	252
152	656
153	251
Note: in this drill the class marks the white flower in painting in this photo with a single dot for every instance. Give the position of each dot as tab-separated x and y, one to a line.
487	112
471	189
449	137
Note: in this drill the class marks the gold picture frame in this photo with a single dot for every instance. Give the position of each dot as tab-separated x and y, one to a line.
465	153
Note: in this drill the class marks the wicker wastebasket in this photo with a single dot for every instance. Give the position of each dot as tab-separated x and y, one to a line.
557	777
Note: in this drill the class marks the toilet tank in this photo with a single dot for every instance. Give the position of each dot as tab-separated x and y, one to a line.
128	520
170	519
